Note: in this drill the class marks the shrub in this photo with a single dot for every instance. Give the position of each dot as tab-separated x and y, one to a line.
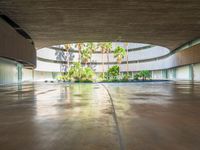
145	74
88	74
126	76
78	73
113	72
75	72
136	76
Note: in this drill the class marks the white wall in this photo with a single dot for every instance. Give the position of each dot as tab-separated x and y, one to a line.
182	73
48	66
8	71
170	74
27	75
196	69
153	52
157	74
42	76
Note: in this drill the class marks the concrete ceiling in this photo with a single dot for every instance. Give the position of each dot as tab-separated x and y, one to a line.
168	23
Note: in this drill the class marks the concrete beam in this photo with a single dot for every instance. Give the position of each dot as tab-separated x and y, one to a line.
16	47
168	23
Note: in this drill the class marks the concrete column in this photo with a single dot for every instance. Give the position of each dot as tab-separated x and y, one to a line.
152	77
164	74
167	74
19	72
191	72
174	73
33	75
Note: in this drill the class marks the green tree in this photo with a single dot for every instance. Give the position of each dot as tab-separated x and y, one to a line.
92	48
86	55
119	53
145	74
88	74
67	48
102	47
105	47
108	48
113	72
78	73
127	65
80	47
75	72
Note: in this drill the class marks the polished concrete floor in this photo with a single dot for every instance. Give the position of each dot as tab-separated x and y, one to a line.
133	116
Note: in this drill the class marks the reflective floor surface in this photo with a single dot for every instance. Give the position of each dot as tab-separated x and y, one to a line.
118	116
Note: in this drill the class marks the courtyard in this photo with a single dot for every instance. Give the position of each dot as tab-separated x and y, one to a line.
110	116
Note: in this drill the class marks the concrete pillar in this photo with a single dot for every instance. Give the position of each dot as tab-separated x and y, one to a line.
33	74
19	72
174	73
191	72
167	74
152	77
164	74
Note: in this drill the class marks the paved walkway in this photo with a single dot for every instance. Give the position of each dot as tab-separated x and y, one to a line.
134	116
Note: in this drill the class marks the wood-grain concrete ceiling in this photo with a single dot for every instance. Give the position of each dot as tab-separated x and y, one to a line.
168	23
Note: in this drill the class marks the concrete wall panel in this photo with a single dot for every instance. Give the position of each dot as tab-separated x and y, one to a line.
8	72
42	76
157	74
196	72
27	75
182	73
16	47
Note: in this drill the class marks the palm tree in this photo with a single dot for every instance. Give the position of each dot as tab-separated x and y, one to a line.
119	53
127	65
67	48
102	47
85	55
108	48
80	46
92	48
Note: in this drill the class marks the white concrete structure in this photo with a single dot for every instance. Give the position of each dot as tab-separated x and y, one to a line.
159	60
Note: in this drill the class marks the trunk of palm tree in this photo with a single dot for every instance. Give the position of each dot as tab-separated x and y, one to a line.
67	59
119	64
119	70
127	65
108	61
79	52
102	63
79	55
91	61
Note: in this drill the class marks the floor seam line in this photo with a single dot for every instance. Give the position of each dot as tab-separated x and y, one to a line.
115	119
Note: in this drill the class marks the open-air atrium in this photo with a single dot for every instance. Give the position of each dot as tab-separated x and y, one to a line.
99	75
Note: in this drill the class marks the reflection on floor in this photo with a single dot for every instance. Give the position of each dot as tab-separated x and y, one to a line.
44	116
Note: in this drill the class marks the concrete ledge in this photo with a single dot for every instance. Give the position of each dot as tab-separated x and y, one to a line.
16	47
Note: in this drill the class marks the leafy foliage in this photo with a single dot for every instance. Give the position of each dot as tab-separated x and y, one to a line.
91	46
119	53
126	76
88	74
143	75
75	72
113	72
78	73
85	55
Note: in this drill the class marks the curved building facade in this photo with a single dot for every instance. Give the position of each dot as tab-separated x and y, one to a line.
182	63
52	59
